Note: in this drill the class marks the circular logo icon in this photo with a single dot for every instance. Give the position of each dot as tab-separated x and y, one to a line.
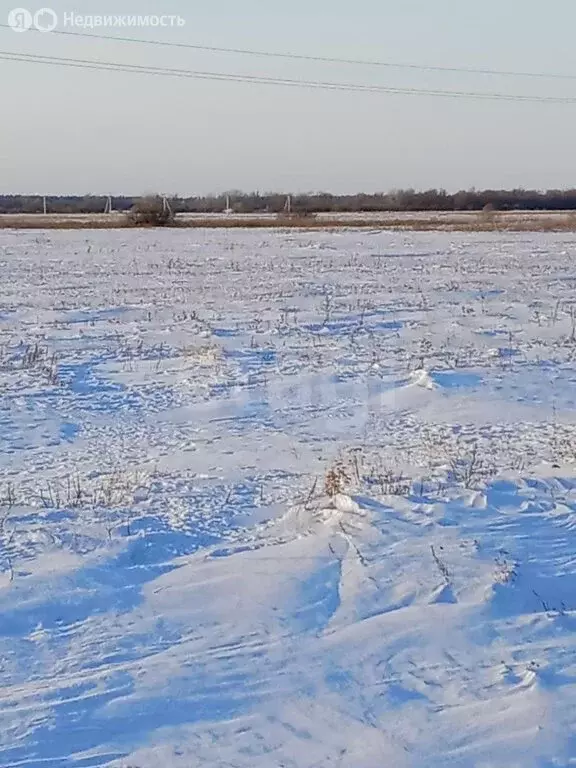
45	20
20	20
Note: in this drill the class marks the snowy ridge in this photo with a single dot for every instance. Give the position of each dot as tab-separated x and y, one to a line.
426	630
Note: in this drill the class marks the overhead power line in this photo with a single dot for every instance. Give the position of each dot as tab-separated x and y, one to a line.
321	59
111	66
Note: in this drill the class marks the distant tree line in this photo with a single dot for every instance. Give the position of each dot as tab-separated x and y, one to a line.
319	202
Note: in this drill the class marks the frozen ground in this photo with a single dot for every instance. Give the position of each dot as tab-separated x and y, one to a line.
277	500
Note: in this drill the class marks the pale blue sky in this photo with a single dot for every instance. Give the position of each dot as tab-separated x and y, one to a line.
72	131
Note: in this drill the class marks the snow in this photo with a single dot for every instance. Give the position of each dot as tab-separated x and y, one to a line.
287	499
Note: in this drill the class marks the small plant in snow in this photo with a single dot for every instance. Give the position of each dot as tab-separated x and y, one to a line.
391	483
113	490
336	480
7	550
9	499
327	307
441	565
468	467
506	572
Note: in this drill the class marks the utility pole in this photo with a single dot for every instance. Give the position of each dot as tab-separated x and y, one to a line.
166	206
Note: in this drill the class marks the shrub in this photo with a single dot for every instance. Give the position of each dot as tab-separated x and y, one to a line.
151	211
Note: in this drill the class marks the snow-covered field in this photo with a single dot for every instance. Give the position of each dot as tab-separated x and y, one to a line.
287	500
